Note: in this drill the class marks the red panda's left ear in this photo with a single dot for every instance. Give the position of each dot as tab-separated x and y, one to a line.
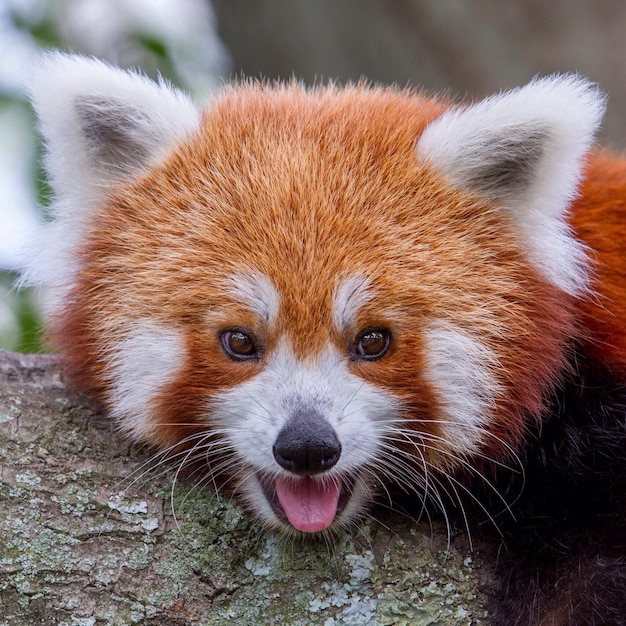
524	150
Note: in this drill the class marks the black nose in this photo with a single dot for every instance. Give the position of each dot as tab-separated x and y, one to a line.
307	444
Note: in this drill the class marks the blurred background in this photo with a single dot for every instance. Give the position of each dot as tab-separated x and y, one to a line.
468	48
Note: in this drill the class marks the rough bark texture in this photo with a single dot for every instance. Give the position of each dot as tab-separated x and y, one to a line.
89	538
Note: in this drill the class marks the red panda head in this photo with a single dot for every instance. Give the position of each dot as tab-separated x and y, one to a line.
313	293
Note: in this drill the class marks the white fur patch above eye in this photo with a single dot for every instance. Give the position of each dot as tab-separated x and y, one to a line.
146	359
462	372
256	292
350	296
524	150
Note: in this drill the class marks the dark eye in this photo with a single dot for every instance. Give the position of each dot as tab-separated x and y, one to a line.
372	344
239	344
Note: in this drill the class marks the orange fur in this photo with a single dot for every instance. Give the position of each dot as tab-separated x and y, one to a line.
314	296
599	217
241	202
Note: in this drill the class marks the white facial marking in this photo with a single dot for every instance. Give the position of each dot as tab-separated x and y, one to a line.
461	369
256	291
351	295
253	413
141	364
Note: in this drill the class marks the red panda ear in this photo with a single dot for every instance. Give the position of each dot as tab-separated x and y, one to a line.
102	124
524	150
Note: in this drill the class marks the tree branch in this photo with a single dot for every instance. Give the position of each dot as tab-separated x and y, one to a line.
88	537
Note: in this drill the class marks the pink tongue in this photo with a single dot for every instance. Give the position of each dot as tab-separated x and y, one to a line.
309	505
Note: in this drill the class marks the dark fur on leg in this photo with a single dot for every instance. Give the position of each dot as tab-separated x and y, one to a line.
563	560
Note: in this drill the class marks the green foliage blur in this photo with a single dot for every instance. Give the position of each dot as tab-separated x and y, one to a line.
21	332
193	60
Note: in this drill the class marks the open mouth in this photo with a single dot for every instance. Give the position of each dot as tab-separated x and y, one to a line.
308	503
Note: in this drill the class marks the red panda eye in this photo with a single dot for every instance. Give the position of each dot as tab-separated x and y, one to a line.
372	344
239	344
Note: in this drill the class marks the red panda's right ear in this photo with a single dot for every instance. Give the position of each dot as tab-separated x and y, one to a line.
102	124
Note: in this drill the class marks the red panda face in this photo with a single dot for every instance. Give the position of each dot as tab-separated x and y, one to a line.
314	294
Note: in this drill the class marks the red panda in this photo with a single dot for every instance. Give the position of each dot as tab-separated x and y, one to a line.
324	294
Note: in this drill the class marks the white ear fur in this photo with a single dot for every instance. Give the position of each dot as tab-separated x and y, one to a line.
524	150
101	125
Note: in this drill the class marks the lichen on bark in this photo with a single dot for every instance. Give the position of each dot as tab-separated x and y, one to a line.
88	537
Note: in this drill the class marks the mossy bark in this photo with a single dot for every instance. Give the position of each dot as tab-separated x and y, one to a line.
90	537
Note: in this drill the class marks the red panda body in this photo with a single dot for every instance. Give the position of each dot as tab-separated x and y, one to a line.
599	219
320	294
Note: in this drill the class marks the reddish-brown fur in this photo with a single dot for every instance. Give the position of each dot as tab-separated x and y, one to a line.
308	188
311	221
599	217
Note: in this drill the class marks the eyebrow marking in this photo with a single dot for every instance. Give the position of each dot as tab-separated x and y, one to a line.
350	297
256	291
